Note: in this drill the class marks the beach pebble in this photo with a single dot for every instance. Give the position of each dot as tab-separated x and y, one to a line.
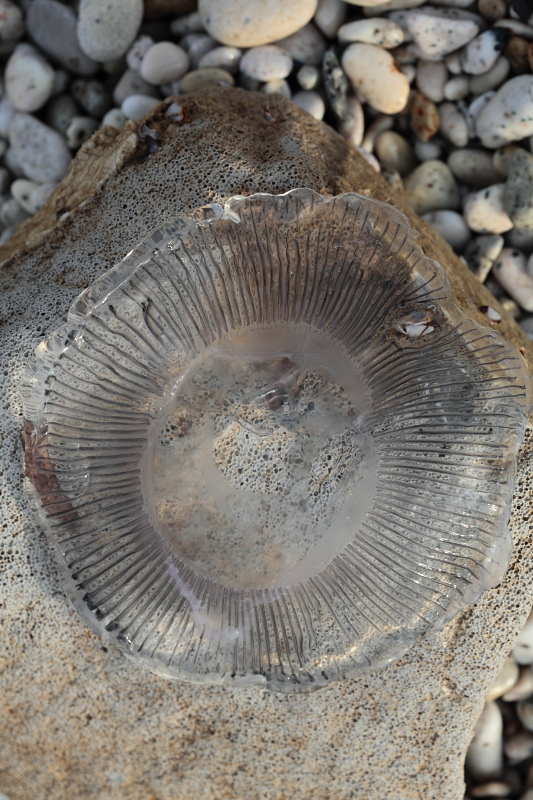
372	7
491	789
523	240
200	79
200	47
79	130
508	116
426	151
424	117
453	63
482	252
11	21
12	163
137	106
519	747
431	77
266	63
481	53
436	36
188	23
456	88
453	125
114	117
306	45
475	108
329	16
336	85
516	27
240	23
451	227
473	167
92	96
41	152
40	195
310	102
517	51
431	186
504	680
518	194
370	158
138	50
484	759
227	58
492	10
106	30
394	152
511	273
492	79
277	86
524	709
52	26
164	62
29	79
484	211
383	122
375	77
352	128
523	688
379	30
522	652
308	76
131	83
21	191
502	156
11	213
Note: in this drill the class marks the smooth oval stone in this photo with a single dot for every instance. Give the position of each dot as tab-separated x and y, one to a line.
224	57
376	77
52	26
482	52
200	79
41	152
266	63
311	102
107	29
473	167
394	152
491	79
453	125
241	23
456	88
308	76
451	227
379	30
484	211
482	252
329	16
431	186
484	759
431	79
436	36
511	273
79	130
29	79
306	45
21	190
164	62
132	83
137	106
518	194
504	680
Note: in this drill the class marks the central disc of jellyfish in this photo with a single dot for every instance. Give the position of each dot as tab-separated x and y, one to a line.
259	468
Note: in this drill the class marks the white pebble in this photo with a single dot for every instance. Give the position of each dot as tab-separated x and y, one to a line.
29	79
451	227
491	79
473	167
189	23
382	123
222	57
164	62
431	78
137	106
138	50
308	76
241	23
437	36
376	78
11	213
523	688
456	88
378	30
482	252
394	152
200	48
311	102
11	21
508	116
453	125
511	273
481	53
484	759
509	673
431	186
428	151
79	130
453	63
353	127
21	191
484	211
524	710
475	108
519	747
107	29
380	7
41	152
306	45
114	117
266	63
522	652
277	86
329	16
132	83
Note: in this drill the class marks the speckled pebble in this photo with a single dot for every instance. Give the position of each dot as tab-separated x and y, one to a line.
431	186
518	194
306	45
511	273
200	79
224	57
451	226
504	680
378	30
164	62
484	210
41	152
79	130
482	252
394	152
52	26
352	128
240	23
375	77
481	53
106	30
29	79
266	63
311	102
492	79
508	116
329	16
436	36
431	77
424	117
453	125
502	156
137	106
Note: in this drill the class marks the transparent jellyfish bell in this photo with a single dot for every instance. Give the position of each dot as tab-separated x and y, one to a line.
268	447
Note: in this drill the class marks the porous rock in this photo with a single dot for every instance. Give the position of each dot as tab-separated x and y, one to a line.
79	720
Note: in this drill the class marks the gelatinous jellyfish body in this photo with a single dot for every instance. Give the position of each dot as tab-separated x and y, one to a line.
268	447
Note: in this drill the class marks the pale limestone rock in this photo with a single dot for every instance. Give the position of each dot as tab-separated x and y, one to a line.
243	24
375	77
77	720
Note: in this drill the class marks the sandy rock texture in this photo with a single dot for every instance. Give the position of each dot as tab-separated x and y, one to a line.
77	720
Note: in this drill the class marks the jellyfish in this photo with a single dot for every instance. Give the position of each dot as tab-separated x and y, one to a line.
268	448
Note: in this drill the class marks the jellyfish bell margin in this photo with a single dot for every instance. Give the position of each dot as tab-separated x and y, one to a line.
268	448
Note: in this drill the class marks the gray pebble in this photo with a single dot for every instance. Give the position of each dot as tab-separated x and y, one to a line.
79	130
473	167
306	45
431	186
41	151
137	51
329	16
12	163
518	193
92	97
60	110
137	106
21	191
491	79
11	213
200	79
482	253
52	26
395	153
11	21
199	48
227	58
481	53
189	23
451	227
132	83
519	747
277	86
352	127
311	102
106	30
336	86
